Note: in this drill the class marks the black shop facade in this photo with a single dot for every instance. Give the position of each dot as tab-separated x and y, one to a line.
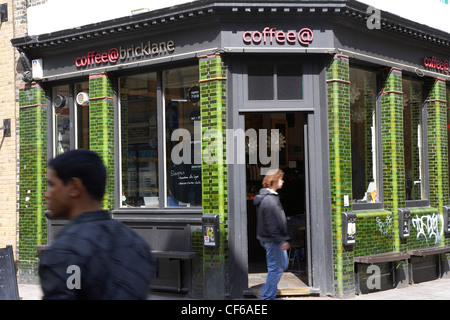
189	105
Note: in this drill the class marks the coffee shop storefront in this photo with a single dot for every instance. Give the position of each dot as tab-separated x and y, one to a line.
186	106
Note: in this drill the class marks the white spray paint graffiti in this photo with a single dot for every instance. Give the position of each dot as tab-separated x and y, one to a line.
385	226
428	227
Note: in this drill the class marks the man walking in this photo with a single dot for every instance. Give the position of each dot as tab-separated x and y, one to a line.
94	257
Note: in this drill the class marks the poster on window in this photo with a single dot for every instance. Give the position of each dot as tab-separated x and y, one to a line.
184	184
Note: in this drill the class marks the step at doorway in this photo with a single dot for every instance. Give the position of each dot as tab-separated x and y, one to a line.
291	284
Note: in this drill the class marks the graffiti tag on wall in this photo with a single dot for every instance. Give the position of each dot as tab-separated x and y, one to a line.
428	227
384	226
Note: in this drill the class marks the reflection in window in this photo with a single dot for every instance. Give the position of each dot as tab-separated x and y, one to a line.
61	107
82	107
289	82
139	137
182	114
363	91
63	110
413	140
275	82
260	82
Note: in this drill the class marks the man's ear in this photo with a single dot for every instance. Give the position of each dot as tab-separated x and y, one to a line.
76	187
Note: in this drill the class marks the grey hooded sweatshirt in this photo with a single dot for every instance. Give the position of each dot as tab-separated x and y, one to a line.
271	219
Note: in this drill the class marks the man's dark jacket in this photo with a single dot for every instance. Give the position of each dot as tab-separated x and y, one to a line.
114	262
271	219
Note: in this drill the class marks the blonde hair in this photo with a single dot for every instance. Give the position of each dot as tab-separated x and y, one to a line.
272	176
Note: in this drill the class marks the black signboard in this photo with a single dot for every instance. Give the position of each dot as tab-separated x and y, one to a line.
8	281
194	94
185	183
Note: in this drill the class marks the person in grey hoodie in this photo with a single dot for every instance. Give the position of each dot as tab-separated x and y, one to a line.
272	231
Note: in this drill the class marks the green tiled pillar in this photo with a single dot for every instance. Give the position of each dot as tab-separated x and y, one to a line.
214	170
394	196
437	145
33	177
338	85
101	127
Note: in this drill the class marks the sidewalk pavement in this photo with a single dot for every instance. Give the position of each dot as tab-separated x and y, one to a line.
430	290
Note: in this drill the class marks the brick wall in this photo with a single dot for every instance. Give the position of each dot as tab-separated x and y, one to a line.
101	128
377	230
9	82
338	84
33	178
437	143
214	170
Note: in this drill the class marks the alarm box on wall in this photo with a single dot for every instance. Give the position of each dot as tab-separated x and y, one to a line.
210	230
37	69
446	219
404	223
348	228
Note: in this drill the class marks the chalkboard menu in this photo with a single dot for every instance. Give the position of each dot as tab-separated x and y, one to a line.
185	183
8	281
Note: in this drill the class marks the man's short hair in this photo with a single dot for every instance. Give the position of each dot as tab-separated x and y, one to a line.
85	165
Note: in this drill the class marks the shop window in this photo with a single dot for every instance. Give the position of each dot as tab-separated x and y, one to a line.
364	136
62	118
71	117
260	82
289	82
275	82
413	139
182	113
139	137
448	130
82	114
150	159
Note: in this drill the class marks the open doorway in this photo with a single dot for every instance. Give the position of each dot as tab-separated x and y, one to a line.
292	155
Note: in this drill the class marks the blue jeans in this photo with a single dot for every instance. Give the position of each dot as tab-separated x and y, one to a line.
277	262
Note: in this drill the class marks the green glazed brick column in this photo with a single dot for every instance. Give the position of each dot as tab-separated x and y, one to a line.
101	127
437	145
338	86
214	169
33	177
197	265
394	196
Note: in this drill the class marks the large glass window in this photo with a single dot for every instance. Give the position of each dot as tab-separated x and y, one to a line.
155	121
413	139
363	98
62	118
82	114
138	102
71	110
182	111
